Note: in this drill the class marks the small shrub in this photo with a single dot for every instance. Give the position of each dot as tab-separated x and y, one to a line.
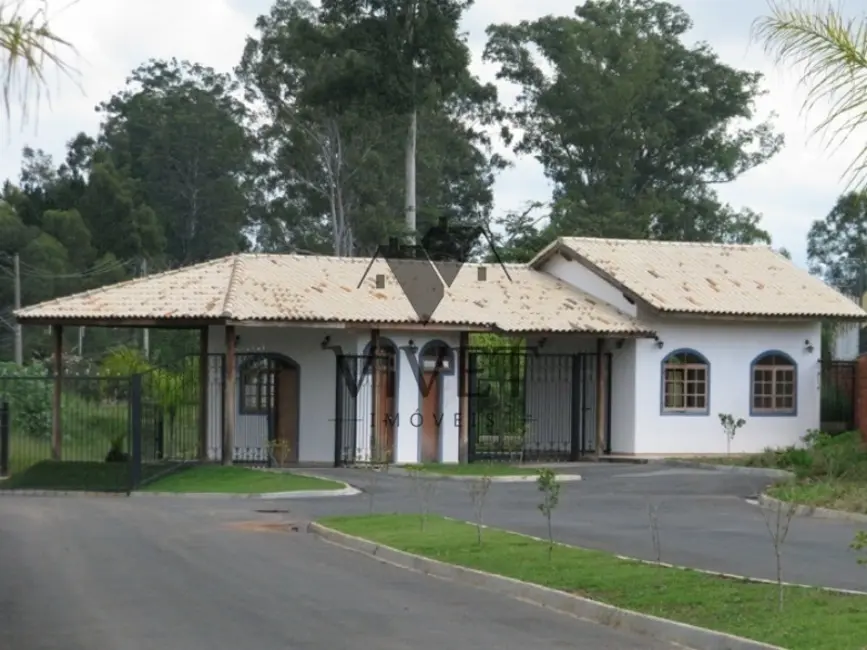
28	389
116	454
730	426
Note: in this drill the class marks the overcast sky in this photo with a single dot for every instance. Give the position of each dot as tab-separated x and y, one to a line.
113	36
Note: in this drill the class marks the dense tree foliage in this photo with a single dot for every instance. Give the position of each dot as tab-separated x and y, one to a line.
305	146
634	127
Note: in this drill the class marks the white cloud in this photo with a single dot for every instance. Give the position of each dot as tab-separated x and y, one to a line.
114	36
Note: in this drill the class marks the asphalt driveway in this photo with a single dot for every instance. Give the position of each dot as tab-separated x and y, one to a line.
703	517
187	574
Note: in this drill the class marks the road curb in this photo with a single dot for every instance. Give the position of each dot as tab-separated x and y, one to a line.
517	478
298	494
766	501
591	610
731	469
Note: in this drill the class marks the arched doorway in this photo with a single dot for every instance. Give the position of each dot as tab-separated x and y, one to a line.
269	408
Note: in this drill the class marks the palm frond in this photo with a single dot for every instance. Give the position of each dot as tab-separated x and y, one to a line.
830	51
28	45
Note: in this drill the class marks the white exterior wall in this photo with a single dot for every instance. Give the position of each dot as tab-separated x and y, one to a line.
318	380
730	349
638	425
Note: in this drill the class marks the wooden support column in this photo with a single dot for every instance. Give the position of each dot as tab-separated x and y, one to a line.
56	429
374	397
601	397
230	409
204	389
463	399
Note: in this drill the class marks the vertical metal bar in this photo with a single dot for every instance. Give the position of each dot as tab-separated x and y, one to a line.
229	391
5	425
600	397
463	402
136	430
575	410
472	406
608	405
56	430
374	398
204	390
338	410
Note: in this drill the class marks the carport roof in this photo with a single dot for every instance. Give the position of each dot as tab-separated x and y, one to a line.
320	289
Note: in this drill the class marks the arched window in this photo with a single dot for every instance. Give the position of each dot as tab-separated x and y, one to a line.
685	383
257	386
773	378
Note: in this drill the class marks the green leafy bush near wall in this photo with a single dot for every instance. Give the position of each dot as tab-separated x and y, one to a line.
28	391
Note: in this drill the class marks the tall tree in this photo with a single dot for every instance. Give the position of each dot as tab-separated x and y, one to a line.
179	131
333	152
837	245
831	52
396	55
634	127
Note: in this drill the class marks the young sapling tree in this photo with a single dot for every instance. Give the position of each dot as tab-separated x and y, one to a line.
730	426
549	486
778	519
478	493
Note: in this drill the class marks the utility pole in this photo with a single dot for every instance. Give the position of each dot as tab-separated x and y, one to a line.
146	339
19	335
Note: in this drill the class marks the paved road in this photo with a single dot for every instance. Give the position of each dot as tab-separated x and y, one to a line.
139	574
703	518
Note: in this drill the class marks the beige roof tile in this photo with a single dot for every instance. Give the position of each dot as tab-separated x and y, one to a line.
709	278
253	287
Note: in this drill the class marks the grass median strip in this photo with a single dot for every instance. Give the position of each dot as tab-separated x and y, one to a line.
237	480
811	619
473	469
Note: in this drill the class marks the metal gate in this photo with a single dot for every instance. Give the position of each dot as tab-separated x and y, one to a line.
365	419
838	396
526	406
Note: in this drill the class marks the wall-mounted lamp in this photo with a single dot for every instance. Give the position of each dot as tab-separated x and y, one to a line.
542	342
659	343
619	343
325	342
412	346
808	346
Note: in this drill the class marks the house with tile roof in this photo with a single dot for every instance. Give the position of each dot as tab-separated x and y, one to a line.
621	347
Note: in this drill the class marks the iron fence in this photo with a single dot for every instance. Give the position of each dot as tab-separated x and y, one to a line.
366	410
528	406
837	406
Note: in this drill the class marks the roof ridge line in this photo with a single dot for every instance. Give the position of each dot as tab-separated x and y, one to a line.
229	298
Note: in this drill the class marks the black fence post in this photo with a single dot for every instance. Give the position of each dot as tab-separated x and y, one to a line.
4	439
135	421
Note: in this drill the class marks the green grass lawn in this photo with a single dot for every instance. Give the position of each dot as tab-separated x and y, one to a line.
236	480
474	469
830	471
72	476
850	496
811	619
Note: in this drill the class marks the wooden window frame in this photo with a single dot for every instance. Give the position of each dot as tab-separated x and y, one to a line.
765	363
262	381
702	366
